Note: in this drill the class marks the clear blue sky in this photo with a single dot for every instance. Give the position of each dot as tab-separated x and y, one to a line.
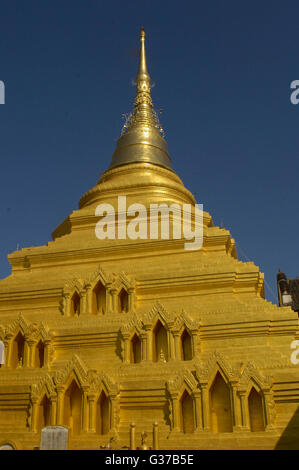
222	71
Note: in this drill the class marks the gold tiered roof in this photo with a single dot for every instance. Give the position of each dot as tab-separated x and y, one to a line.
142	139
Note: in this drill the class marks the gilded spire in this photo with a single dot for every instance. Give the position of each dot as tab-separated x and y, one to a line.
143	106
142	71
142	135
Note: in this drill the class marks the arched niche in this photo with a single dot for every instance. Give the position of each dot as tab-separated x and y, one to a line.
73	407
123	301
220	406
256	411
186	413
75	304
102	414
99	299
186	346
44	412
17	352
135	349
160	343
39	359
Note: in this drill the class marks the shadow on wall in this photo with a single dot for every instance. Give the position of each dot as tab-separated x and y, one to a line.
290	436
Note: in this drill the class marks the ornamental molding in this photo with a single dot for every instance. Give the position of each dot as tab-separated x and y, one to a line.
183	320
98	275
184	380
77	369
206	372
44	386
123	281
103	381
42	333
158	312
133	325
31	331
19	324
252	374
72	286
82	284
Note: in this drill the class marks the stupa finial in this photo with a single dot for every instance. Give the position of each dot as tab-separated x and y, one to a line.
143	107
142	139
142	71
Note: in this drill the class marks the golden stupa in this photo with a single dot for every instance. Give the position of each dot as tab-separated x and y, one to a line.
102	333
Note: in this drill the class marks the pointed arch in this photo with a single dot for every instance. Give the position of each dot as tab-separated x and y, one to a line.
44	413
160	343
251	375
99	275
135	349
103	392
75	304
256	410
158	312
72	411
207	371
186	413
42	333
183	320
103	382
184	380
123	281
74	369
73	287
220	405
186	346
39	359
44	387
103	413
17	350
19	325
99	295
123	301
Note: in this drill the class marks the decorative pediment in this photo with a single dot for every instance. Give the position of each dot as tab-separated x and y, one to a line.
45	385
102	380
77	369
42	332
123	281
73	285
20	324
32	331
207	371
184	380
251	375
99	275
158	312
134	324
182	321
